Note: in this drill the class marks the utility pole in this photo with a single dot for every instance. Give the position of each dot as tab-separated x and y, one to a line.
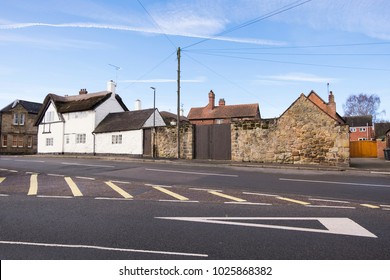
178	103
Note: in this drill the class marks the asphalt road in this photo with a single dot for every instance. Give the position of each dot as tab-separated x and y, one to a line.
67	208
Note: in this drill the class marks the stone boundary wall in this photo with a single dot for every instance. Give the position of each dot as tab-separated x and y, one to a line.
302	135
166	142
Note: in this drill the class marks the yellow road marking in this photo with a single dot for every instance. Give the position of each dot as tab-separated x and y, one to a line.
118	190
73	187
227	196
175	195
2	179
293	200
33	185
370	206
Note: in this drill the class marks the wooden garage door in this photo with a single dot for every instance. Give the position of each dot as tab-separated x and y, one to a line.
213	142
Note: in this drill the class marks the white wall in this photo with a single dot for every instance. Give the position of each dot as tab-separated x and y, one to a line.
79	123
111	105
50	129
159	120
132	143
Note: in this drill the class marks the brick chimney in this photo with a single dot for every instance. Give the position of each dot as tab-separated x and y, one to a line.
221	102
331	106
83	91
211	100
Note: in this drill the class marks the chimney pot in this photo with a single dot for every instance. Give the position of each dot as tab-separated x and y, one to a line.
221	102
211	99
83	91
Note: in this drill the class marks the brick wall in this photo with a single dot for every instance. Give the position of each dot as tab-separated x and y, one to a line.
381	145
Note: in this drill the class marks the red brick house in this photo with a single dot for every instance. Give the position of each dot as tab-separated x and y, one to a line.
222	114
328	107
18	133
360	128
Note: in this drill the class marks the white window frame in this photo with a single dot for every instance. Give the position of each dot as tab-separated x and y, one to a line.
4	141
116	139
49	142
363	129
30	140
81	138
49	116
352	129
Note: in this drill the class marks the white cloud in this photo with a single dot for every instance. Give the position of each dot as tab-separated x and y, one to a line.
295	77
149	30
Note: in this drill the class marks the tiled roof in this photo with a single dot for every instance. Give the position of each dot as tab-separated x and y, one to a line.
124	121
31	107
356	121
319	102
225	112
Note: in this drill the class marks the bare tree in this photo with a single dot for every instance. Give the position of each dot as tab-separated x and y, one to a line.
362	105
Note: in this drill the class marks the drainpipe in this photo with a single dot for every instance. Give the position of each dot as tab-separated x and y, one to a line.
94	143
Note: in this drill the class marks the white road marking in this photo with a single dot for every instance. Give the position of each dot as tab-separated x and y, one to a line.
380	172
8	195
26	160
102	248
334	182
54	196
329	200
260	194
342	226
330	206
248	203
85	178
186	201
56	175
190	172
90	165
121	182
112	198
383	205
206	190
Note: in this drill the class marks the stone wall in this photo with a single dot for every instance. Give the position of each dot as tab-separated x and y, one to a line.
166	142
304	134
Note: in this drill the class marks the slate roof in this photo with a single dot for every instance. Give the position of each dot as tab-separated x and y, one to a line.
31	107
225	112
76	103
357	121
169	117
381	129
124	121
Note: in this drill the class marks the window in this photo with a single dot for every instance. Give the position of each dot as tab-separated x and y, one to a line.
219	121
352	129
29	141
14	141
18	119
49	116
81	138
5	141
117	139
20	141
362	129
67	140
49	142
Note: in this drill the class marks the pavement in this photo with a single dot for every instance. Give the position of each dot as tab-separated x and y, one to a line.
371	165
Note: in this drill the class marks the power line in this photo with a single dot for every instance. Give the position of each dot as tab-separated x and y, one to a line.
156	24
250	22
292	54
300	63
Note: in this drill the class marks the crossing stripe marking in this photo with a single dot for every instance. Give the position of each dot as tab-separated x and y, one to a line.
119	190
73	187
170	193
370	206
293	200
2	179
227	196
33	185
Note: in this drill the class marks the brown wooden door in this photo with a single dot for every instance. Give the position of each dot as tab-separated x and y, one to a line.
213	142
147	142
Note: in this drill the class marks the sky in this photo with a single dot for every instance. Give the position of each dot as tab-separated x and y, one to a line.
246	51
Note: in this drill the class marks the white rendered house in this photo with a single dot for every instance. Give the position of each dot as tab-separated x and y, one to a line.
65	123
126	132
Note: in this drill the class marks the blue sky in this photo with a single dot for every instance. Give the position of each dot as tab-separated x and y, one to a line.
246	51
